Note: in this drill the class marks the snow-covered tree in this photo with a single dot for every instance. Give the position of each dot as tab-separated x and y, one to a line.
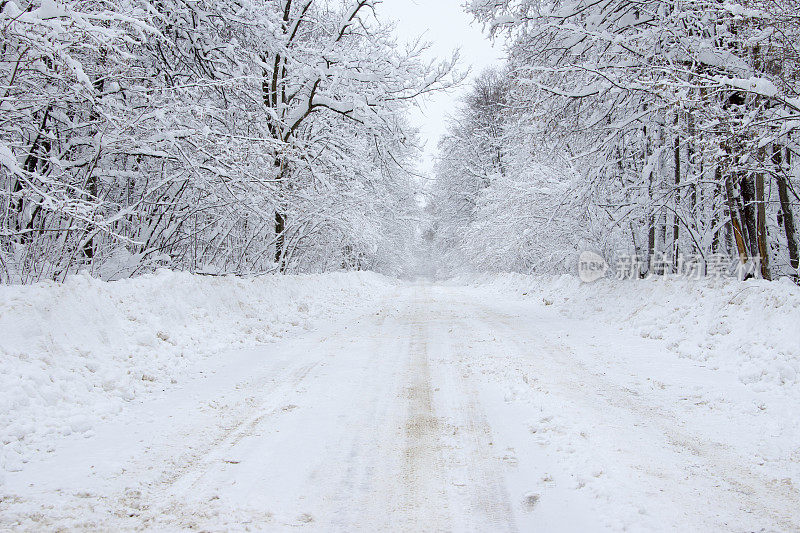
679	118
220	137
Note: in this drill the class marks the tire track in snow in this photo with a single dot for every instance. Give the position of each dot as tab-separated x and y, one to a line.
453	481
477	473
165	497
189	472
422	495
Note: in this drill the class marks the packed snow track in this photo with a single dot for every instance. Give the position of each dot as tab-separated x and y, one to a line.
437	409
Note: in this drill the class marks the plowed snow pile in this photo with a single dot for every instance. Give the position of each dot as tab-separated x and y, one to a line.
74	353
752	327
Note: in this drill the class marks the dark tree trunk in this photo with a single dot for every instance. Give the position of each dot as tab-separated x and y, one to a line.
786	214
715	219
274	91
761	225
749	218
736	224
280	228
92	182
651	242
34	162
677	196
280	223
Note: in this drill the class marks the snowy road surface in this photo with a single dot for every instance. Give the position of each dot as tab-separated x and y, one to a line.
440	409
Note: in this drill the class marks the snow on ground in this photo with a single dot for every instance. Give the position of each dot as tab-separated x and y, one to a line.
712	367
750	327
501	403
72	354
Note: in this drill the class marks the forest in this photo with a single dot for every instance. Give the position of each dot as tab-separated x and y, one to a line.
241	137
218	137
663	132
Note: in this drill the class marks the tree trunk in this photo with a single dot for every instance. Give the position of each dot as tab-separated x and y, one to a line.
736	224
33	163
786	213
92	182
749	215
280	228
280	223
677	196
761	224
274	91
715	219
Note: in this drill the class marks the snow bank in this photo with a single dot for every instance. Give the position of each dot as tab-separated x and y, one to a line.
751	327
73	353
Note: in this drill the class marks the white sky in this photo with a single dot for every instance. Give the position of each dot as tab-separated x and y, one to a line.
444	24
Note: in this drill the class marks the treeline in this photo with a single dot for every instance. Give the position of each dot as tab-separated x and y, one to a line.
659	130
226	136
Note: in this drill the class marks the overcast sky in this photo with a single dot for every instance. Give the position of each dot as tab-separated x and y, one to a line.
445	25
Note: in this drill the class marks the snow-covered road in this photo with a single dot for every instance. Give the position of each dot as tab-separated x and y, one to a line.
437	409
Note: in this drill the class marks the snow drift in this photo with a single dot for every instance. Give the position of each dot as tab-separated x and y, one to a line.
749	327
74	353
